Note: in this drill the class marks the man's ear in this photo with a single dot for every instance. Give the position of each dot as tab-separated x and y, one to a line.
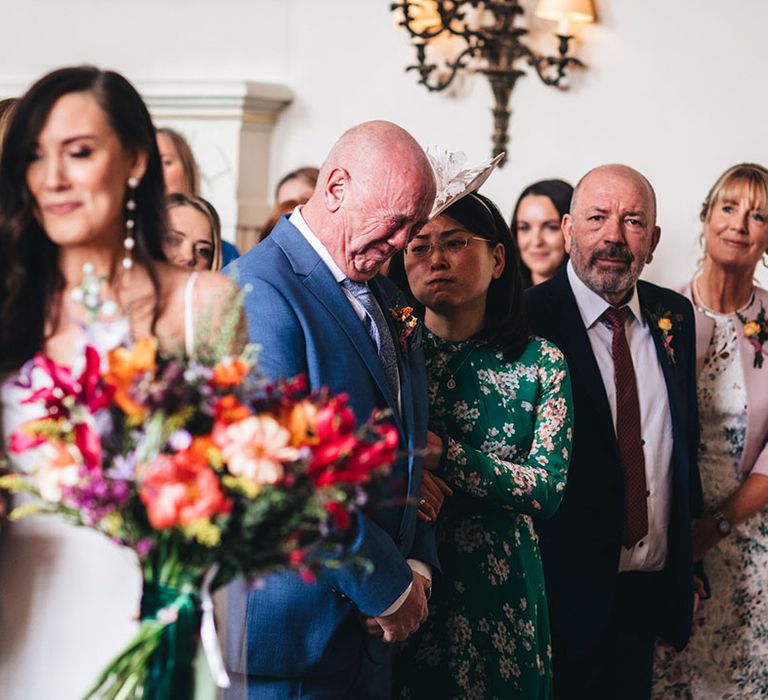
335	188
655	237
567	228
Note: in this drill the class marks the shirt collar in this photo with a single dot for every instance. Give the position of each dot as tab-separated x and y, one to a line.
298	221
592	305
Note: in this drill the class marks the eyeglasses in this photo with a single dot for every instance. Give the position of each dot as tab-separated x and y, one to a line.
453	246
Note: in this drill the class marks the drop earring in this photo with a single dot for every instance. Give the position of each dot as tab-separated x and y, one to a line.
129	242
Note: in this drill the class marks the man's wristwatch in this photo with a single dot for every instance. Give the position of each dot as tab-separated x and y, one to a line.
723	524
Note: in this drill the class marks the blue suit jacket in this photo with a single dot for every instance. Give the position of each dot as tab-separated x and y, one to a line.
581	544
305	323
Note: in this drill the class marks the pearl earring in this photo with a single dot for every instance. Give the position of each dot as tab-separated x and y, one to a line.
129	242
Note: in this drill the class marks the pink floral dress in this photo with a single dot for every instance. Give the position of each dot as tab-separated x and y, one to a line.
727	657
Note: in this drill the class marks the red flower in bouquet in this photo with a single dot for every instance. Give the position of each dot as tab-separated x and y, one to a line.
228	409
357	459
179	489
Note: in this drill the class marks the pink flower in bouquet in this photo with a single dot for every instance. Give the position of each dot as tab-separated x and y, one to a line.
179	490
70	400
59	467
25	437
256	447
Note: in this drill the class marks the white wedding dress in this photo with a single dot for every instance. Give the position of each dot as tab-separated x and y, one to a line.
69	598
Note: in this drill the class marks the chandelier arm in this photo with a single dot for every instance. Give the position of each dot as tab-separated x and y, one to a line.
426	69
562	63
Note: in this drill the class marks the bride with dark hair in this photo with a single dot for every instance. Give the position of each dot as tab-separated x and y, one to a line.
82	218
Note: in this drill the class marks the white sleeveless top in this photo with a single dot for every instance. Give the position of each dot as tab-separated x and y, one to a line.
69	598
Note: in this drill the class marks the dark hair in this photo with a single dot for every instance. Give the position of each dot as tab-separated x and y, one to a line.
308	174
506	326
178	199
30	280
6	110
559	193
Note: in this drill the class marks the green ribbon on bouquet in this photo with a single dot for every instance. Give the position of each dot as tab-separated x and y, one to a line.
171	673
158	663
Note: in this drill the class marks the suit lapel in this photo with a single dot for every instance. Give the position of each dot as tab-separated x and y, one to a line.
406	390
320	282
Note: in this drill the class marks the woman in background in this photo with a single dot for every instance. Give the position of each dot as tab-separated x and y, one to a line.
298	184
193	239
536	228
727	656
500	407
182	176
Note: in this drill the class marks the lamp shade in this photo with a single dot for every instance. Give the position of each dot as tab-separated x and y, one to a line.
424	16
566	10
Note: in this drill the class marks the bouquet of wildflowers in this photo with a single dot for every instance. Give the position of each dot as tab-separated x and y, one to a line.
207	472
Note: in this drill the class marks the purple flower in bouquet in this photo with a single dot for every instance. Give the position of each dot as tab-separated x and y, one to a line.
95	496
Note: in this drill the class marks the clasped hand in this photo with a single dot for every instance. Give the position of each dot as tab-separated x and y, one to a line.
402	623
433	489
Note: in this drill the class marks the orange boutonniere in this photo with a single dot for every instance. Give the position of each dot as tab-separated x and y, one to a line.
407	322
756	332
664	321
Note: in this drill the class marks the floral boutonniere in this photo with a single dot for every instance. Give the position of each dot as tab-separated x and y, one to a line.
756	332
407	324
665	322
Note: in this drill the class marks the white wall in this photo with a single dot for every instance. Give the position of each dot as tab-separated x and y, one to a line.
675	89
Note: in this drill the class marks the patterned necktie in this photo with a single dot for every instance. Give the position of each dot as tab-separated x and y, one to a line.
628	430
377	328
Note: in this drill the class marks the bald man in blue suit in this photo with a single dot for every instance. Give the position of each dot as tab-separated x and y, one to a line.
308	293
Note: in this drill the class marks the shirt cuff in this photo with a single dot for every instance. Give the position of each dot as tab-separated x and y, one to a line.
398	603
421	568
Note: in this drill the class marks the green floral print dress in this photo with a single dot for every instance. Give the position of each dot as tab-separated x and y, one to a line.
507	432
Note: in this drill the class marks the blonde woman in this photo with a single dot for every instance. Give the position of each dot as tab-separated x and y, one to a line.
727	656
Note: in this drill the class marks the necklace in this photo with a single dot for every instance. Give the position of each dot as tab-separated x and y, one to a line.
88	294
451	383
701	304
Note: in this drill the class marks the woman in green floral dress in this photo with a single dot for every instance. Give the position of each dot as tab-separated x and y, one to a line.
501	421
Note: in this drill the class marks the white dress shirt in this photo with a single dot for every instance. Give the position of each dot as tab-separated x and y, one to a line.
650	553
298	221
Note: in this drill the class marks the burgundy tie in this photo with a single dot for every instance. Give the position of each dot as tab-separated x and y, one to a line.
628	430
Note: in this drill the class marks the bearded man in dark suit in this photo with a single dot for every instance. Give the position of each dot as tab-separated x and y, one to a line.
617	555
